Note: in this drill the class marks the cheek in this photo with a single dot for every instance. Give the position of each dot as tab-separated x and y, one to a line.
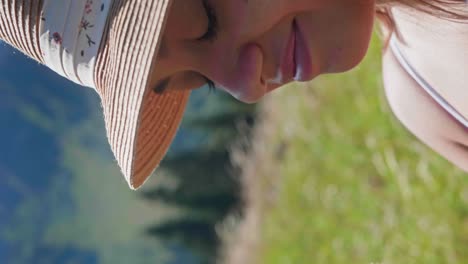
338	35
186	20
356	35
247	19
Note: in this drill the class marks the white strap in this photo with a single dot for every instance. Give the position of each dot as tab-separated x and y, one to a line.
425	85
70	34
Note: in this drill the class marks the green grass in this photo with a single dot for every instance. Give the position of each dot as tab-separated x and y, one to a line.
353	185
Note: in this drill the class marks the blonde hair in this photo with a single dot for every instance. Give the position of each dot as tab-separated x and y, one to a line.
454	10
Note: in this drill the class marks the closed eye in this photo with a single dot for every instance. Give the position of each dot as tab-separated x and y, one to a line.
212	30
210	35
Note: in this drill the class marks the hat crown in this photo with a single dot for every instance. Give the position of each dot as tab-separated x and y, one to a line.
64	35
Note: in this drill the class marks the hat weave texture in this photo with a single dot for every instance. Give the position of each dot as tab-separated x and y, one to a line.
140	124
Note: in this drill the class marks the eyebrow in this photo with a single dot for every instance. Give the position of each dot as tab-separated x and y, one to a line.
162	85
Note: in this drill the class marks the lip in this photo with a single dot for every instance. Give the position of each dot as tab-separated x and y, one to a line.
304	70
296	62
288	65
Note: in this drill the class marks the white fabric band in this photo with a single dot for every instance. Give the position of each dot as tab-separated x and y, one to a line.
424	84
70	34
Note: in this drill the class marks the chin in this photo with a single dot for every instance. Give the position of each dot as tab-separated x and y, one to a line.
350	65
346	62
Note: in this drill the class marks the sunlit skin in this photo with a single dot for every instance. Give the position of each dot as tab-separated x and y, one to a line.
445	70
261	45
249	56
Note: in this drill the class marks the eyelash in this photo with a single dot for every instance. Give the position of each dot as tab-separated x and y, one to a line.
211	85
210	35
212	31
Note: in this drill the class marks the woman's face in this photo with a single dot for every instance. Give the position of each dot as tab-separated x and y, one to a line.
251	47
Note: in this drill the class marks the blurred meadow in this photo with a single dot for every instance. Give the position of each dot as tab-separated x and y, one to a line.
334	178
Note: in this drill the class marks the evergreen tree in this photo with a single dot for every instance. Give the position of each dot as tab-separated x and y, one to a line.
207	188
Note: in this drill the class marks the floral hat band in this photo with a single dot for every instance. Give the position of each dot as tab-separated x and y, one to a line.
70	34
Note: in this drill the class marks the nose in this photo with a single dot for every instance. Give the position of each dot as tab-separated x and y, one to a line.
240	73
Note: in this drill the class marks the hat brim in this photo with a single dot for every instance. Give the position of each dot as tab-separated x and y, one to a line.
140	124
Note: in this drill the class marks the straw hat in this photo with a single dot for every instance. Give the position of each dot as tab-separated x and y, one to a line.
110	46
